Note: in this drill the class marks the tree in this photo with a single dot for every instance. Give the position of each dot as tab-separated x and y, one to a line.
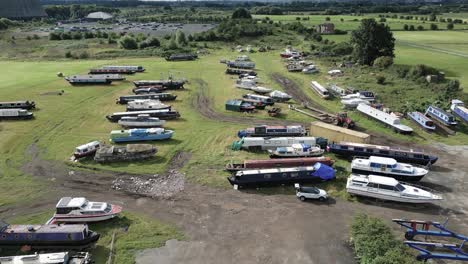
128	43
411	27
241	13
434	27
181	40
372	40
383	62
450	26
420	28
405	27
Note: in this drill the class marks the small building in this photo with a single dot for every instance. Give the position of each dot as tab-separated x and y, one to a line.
337	134
99	16
326	28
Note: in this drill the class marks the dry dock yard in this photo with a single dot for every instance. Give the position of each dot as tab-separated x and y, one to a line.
232	154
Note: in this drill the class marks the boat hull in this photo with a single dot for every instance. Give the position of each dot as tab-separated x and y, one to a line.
141	124
147	138
54	244
82	155
277	163
398	177
279	156
147	109
381	196
81	219
275	182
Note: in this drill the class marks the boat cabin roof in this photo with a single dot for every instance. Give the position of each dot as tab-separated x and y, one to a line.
441	111
67	202
78	228
275	170
383	160
142	112
362	145
375	179
87	145
456	101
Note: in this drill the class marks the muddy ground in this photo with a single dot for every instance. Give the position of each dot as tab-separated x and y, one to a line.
229	226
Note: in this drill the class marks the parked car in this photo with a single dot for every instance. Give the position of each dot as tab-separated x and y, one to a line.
304	193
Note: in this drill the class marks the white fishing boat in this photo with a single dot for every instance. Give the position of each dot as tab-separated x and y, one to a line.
385	118
296	151
80	210
387	167
141	121
146	104
49	258
364	95
260	89
279	96
385	188
353	103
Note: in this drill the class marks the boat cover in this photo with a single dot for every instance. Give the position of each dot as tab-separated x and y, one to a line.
323	171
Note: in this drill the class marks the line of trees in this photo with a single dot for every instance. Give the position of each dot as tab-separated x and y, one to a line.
65	12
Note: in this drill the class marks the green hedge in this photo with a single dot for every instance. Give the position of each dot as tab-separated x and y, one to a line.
374	243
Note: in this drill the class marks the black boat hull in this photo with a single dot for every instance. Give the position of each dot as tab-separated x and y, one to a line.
66	244
397	177
277	182
353	153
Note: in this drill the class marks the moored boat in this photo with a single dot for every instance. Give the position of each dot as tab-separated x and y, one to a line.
146	104
130	152
441	116
136	134
245	84
309	69
125	67
111	77
385	118
261	98
80	210
168	84
422	120
385	188
149	89
49	258
266	143
278	163
296	151
277	176
272	131
279	96
124	99
15	113
351	149
87	80
111	71
387	167
28	105
353	102
260	89
364	95
87	149
76	236
320	90
141	121
164	114
458	108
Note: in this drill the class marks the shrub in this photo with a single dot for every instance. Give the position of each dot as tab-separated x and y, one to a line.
380	79
35	36
65	36
241	13
111	41
420	28
151	42
450	26
84	55
54	36
434	27
68	54
28	38
405	27
411	28
128	43
77	36
422	70
383	62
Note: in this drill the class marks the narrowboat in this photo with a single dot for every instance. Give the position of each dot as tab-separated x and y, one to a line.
296	151
28	105
317	173
336	90
458	108
141	121
160	96
385	118
146	104
76	237
385	188
164	114
182	57
149	90
320	90
140	134
88	80
273	131
364	95
239	105
168	84
245	84
15	113
50	258
111	71
111	77
249	77
349	149
80	210
278	163
264	99
441	116
266	143
237	71
130	152
87	149
241	64
279	96
387	167
422	120
124	67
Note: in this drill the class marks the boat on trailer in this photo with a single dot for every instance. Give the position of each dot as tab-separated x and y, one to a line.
441	116
350	149
278	176
273	131
49	258
278	163
80	210
296	151
141	121
385	188
422	120
385	118
387	167
458	108
37	237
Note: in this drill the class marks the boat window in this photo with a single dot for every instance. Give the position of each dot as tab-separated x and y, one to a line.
400	187
384	152
344	147
426	157
386	187
358	149
372	185
85	204
418	156
69	236
370	150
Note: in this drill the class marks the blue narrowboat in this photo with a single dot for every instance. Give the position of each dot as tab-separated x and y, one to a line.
422	120
76	237
140	134
350	149
255	177
458	108
273	131
441	116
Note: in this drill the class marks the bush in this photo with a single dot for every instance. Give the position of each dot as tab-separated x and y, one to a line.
111	41
128	43
241	13
374	243
450	26
380	79
420	28
405	27
54	36
151	42
422	70
411	28
65	36
383	62
84	55
341	49
77	36
434	27
35	36
68	54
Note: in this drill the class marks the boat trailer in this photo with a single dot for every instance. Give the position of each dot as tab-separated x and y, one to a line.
340	119
429	250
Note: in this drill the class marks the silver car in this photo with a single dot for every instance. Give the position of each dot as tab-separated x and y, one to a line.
304	193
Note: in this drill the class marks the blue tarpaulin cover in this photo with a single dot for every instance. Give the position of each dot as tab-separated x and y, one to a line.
323	171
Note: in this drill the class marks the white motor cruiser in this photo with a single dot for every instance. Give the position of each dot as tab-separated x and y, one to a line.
141	121
296	151
146	104
387	167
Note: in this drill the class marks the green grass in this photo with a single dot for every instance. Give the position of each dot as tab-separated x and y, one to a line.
132	233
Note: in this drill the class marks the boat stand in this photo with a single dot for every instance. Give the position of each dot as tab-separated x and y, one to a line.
417	227
426	249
